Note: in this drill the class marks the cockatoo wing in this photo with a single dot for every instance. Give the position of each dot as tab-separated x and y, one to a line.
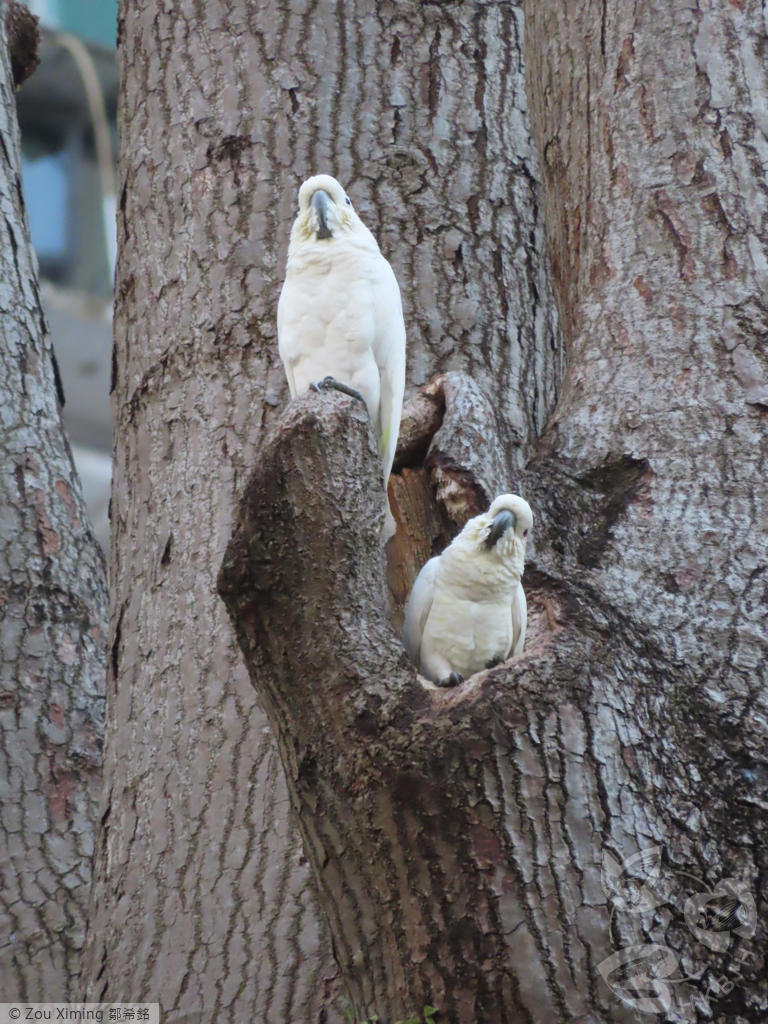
335	318
389	354
284	326
519	620
305	315
418	608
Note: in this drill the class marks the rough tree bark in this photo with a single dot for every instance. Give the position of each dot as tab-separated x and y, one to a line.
549	840
52	628
225	107
655	210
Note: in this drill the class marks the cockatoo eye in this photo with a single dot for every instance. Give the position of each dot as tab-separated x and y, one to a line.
347	200
525	533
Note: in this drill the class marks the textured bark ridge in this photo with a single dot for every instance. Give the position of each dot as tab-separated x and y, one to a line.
52	632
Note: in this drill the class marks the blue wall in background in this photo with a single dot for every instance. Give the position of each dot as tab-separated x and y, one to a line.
95	20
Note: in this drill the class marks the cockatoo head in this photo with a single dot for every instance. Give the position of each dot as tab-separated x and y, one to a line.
499	535
490	550
326	214
511	515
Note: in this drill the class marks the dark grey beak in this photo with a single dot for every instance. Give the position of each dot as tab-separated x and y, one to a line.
320	201
502	522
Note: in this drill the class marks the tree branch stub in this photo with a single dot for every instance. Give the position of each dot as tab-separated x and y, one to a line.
304	567
23	29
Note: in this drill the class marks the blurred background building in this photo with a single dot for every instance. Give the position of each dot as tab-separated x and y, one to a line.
67	116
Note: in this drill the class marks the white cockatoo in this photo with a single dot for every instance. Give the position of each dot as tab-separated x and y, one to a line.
467	610
340	317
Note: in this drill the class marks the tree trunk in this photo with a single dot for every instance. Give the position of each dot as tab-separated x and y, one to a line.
225	108
400	791
654	460
52	630
582	831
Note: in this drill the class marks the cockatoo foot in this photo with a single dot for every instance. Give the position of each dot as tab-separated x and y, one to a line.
331	382
454	679
494	662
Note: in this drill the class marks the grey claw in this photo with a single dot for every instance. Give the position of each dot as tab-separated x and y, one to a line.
331	382
494	662
454	679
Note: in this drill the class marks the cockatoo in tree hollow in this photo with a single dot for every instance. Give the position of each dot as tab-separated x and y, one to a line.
340	317
467	610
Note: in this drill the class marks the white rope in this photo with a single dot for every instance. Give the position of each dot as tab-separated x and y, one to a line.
97	109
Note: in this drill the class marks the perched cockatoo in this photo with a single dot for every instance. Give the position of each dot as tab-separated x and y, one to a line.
467	610
340	317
